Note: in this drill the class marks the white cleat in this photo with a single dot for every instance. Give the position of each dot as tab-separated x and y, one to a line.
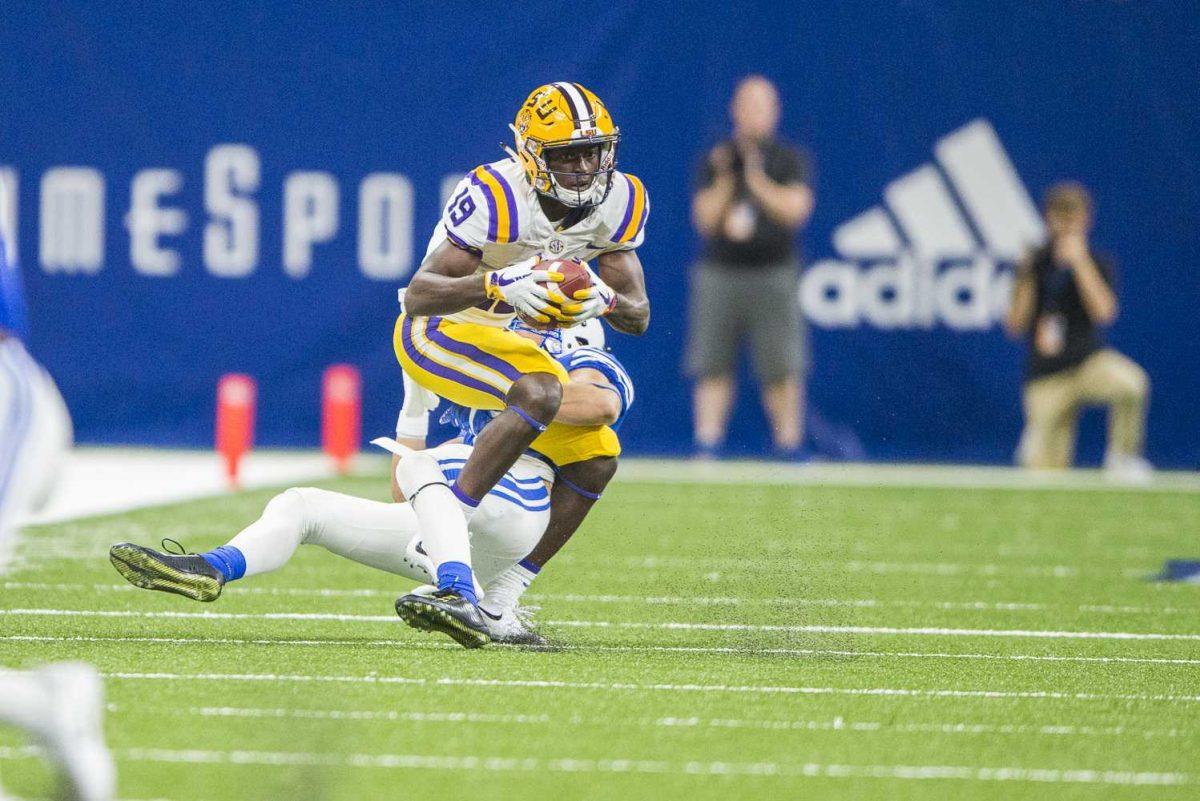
74	730
1128	470
511	626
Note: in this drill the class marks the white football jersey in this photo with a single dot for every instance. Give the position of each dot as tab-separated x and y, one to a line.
494	212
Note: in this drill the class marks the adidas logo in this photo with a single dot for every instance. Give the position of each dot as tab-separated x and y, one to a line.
938	251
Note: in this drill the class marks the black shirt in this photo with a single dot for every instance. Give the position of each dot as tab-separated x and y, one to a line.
767	241
1059	312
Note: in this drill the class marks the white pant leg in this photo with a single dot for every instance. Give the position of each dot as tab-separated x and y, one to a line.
23	700
35	435
369	532
510	520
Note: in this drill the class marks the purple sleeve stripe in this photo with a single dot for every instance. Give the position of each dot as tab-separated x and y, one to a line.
460	243
491	204
510	198
470	352
616	237
433	367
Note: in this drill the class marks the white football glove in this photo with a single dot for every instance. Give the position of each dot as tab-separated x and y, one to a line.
520	286
596	301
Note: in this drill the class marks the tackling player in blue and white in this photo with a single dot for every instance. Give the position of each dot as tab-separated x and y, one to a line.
509	523
600	392
61	705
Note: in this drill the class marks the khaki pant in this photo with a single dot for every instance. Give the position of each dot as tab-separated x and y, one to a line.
1052	404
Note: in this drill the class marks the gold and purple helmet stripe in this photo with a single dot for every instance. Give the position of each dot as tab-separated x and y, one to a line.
635	211
575	101
501	203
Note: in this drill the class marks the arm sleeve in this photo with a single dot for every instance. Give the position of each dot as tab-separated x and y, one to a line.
1108	269
705	175
465	218
630	214
792	167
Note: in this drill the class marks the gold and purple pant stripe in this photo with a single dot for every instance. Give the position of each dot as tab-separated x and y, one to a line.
469	364
475	366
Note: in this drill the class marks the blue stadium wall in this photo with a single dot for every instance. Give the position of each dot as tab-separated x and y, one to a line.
911	110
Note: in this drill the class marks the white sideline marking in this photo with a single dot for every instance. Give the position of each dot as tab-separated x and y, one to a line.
669	625
449	681
838	723
696	649
570	765
663	600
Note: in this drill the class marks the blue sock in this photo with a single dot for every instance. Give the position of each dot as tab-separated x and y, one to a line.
530	566
456	577
228	560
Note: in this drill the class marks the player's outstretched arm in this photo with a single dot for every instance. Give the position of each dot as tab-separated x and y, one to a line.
589	399
445	283
622	271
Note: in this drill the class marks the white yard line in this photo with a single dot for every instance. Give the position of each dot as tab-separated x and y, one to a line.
637	766
837	724
689	649
660	600
732	564
451	681
714	568
916	631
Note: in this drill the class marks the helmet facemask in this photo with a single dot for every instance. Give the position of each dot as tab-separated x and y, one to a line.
565	186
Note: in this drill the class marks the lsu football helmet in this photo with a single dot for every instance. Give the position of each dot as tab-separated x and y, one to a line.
566	115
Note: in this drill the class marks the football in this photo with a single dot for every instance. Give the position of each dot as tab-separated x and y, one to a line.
575	278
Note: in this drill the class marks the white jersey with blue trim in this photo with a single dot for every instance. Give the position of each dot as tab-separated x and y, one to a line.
494	212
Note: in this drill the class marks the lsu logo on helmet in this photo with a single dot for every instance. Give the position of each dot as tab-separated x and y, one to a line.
566	115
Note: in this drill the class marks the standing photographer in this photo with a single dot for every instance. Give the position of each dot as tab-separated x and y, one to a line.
1062	299
754	195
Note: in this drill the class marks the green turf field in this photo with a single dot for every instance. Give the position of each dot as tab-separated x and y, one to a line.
723	642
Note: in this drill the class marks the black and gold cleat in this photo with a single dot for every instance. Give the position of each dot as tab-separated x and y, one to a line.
447	612
185	574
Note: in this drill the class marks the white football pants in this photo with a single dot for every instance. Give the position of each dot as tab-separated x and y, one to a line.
386	536
35	436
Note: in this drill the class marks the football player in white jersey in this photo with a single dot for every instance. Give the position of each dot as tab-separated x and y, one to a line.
509	523
559	196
